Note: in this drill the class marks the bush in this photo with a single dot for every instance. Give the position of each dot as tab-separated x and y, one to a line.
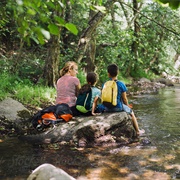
25	91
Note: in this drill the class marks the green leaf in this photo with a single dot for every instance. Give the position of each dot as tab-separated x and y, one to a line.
25	24
41	39
72	28
72	1
31	12
21	30
53	29
140	60
35	40
174	4
44	18
45	33
60	20
50	4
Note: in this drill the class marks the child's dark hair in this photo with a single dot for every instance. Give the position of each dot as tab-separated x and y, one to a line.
85	88
113	70
91	78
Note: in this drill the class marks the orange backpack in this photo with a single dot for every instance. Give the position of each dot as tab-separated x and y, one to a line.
52	115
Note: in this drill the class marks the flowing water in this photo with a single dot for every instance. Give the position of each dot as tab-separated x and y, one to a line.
158	114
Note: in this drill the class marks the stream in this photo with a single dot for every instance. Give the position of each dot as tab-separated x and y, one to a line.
158	114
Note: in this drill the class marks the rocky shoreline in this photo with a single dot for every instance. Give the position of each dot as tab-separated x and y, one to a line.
15	121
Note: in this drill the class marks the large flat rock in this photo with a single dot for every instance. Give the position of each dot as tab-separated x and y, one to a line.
116	127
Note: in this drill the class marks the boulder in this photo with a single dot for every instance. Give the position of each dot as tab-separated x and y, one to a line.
144	80
91	130
47	171
107	128
175	79
13	110
167	82
143	86
14	115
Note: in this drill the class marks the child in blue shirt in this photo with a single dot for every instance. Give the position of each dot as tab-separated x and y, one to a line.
122	101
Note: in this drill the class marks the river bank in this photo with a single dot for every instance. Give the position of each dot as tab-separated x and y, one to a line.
10	108
158	114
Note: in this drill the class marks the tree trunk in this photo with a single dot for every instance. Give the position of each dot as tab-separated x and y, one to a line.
52	62
90	56
135	43
132	63
136	30
125	13
177	61
89	31
51	67
91	51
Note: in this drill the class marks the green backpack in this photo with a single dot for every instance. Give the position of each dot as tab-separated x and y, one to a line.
83	102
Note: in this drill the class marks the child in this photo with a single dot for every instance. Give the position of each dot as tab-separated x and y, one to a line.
96	93
122	101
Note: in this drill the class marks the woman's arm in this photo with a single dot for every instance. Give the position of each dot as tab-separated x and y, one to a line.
78	87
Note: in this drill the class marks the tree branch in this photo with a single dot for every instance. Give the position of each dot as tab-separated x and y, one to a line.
87	33
159	24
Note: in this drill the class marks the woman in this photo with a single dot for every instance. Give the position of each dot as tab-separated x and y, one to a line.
68	84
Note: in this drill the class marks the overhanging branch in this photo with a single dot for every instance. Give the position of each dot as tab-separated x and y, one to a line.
159	24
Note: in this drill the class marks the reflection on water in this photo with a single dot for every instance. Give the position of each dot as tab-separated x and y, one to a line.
158	114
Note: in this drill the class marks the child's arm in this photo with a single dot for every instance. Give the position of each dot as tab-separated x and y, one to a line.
125	100
94	106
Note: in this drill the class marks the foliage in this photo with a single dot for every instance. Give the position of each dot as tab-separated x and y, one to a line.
8	32
152	52
26	65
8	84
36	20
82	77
25	92
153	45
174	4
158	32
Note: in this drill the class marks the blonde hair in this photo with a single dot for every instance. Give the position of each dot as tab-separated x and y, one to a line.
68	65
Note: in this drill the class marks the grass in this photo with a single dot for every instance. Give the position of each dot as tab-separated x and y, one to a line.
35	95
26	92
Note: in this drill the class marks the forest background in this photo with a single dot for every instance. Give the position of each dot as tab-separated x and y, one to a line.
37	38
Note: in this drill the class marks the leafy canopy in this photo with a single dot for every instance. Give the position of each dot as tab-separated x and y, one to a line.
174	4
39	19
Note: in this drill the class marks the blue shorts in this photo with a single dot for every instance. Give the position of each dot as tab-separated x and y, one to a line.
101	108
127	109
116	109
